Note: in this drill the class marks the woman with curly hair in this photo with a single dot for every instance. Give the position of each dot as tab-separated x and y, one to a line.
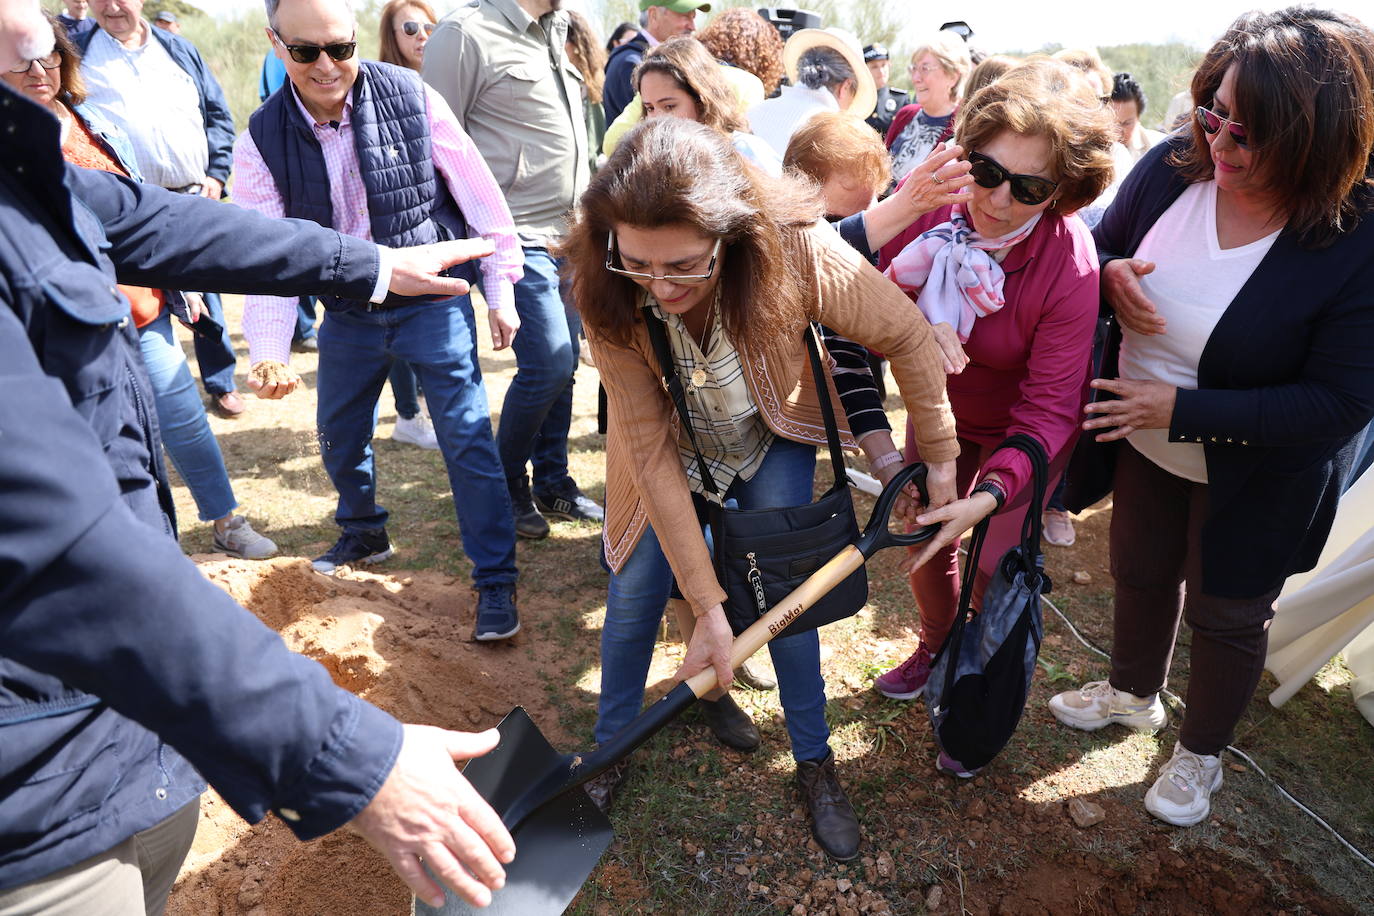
1008	279
742	38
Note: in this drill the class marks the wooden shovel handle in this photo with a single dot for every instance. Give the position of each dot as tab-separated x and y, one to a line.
782	614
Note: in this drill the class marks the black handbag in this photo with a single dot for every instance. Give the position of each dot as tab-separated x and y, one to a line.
981	678
761	555
1092	465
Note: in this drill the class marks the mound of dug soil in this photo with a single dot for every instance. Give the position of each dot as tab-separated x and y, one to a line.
404	643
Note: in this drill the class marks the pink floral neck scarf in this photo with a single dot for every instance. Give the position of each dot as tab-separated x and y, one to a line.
952	270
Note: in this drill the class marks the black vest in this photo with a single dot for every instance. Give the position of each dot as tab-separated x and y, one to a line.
408	202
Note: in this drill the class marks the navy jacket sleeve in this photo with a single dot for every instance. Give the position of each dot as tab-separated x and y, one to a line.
618	92
179	241
1330	399
89	594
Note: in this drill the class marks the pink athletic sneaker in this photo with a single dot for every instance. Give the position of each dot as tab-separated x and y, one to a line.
908	680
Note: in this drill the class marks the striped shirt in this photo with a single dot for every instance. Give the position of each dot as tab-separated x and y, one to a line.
154	102
729	430
268	321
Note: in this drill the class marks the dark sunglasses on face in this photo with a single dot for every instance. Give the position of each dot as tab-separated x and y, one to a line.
308	54
1211	123
1027	189
412	28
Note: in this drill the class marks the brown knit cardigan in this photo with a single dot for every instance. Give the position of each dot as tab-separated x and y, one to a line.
645	480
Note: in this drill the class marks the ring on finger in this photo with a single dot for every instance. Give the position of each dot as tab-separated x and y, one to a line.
936	178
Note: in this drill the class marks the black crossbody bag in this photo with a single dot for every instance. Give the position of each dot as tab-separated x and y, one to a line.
761	555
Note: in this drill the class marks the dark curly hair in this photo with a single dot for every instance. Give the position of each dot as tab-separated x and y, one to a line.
742	38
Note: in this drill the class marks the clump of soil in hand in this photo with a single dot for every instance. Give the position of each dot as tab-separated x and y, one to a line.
271	372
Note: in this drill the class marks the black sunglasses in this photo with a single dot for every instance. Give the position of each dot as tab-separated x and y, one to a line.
1211	123
1027	189
308	54
412	28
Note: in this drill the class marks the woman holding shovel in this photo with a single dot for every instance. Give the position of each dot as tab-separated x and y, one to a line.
734	265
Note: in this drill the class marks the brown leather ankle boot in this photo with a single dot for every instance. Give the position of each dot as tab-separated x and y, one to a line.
833	822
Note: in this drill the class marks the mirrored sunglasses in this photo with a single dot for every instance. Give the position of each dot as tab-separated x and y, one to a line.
1027	189
412	28
1211	123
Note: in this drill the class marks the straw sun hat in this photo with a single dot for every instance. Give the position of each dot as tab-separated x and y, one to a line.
866	95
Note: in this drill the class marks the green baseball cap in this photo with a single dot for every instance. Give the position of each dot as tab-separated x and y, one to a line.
678	6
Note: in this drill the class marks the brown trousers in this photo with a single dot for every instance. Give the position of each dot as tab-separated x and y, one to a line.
1156	559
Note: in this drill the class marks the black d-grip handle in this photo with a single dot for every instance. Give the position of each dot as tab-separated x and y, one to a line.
877	534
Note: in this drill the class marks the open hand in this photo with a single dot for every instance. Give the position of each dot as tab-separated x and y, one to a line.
1138	405
415	271
426	811
1121	288
954	519
950	347
938	181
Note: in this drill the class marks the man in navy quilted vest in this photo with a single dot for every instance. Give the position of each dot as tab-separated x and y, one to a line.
367	149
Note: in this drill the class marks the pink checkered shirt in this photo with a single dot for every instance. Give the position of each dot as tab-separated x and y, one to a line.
268	321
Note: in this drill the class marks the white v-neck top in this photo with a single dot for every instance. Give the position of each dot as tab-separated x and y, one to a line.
1193	283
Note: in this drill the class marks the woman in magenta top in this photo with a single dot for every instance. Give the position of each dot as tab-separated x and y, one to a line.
1008	278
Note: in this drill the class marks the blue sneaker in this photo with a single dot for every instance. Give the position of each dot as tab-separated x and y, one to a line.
354	547
497	617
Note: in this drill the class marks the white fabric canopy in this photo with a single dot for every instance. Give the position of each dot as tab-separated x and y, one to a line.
1330	609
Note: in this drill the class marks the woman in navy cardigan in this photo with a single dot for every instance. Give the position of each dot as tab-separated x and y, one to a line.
1239	260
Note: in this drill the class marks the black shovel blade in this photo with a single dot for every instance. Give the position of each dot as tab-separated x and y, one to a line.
556	846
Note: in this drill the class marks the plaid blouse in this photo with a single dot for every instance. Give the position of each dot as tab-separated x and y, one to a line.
729	429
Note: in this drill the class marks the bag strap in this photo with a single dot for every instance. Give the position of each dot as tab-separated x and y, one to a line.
832	432
1040	473
1030	543
658	338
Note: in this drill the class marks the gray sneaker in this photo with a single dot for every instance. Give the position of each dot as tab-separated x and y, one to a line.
238	539
1098	704
1182	795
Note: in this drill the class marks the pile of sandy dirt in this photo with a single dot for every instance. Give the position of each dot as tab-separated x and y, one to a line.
401	642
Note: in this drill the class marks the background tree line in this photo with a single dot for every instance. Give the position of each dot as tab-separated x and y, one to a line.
235	47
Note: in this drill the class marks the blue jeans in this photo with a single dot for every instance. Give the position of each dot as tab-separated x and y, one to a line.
405	389
537	411
638	593
181	416
305	319
439	340
216	357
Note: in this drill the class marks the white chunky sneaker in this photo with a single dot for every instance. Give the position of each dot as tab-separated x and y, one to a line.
1182	795
418	430
1098	703
238	539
